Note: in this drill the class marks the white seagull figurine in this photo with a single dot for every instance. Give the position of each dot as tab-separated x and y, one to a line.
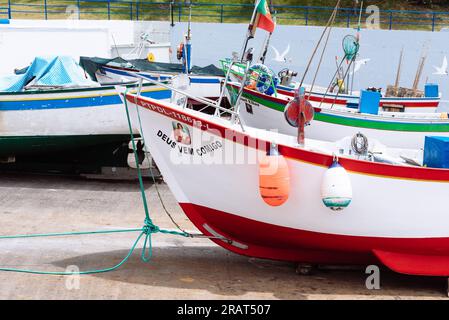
359	63
281	57
442	71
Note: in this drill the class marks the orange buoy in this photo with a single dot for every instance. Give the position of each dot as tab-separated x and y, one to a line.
274	178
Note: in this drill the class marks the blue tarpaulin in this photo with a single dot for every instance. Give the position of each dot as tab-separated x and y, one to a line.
56	71
436	152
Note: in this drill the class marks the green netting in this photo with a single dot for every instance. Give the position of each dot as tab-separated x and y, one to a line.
351	47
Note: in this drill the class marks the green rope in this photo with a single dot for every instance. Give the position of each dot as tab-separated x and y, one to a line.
185	233
147	230
139	173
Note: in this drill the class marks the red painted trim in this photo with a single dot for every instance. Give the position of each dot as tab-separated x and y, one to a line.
267	241
316	98
356	166
281	243
416	104
406	103
415	264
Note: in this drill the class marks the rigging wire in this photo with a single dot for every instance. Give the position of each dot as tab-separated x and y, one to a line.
318	44
333	16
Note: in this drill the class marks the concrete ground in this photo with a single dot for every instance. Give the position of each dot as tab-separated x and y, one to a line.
180	268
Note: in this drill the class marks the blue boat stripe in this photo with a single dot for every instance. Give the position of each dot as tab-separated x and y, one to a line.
204	80
95	101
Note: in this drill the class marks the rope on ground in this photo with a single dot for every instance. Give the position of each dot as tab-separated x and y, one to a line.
181	230
148	229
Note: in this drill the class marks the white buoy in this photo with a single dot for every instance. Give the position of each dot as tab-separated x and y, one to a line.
336	189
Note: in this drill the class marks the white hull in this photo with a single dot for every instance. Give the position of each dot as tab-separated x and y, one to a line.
199	86
65	112
213	191
270	119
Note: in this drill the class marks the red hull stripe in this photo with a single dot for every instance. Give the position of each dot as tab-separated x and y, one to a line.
415	104
428	103
414	264
314	98
282	243
352	165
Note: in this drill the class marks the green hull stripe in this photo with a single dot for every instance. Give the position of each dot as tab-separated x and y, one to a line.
360	123
27	145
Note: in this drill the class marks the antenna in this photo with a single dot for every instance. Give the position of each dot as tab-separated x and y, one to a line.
360	16
115	45
190	18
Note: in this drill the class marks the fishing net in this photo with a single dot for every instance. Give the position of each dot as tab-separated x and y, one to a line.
262	79
350	47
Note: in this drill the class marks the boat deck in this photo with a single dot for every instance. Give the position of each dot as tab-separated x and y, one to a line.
181	268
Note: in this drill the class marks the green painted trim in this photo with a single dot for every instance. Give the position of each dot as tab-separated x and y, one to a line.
382	125
266	103
357	122
337	202
29	145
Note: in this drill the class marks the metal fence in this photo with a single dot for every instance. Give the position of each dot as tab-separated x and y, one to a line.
209	12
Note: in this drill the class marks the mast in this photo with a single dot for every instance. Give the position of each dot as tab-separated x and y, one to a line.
301	99
249	33
264	52
419	73
420	70
398	74
188	44
359	27
329	22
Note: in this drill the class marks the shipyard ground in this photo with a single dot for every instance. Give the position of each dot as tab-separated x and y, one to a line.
180	269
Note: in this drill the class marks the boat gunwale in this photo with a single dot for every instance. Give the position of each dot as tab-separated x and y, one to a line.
356	166
378	119
70	90
344	98
163	73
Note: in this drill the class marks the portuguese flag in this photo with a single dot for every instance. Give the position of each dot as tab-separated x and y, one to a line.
262	18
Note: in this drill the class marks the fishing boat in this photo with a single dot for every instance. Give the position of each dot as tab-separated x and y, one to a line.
395	98
397	129
262	102
264	194
50	106
198	81
428	102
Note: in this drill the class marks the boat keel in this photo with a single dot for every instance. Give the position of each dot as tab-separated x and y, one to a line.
415	264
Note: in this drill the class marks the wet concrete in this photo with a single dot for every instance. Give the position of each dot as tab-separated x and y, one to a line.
180	268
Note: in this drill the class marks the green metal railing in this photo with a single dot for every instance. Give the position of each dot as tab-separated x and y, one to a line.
213	12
